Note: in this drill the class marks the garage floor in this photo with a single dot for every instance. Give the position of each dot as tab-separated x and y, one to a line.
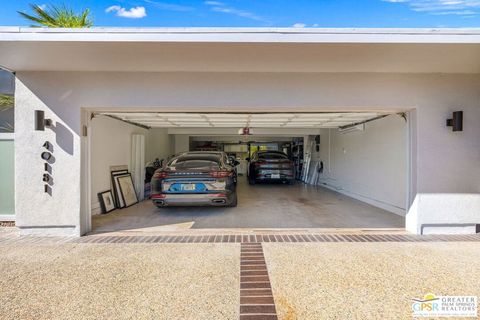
259	206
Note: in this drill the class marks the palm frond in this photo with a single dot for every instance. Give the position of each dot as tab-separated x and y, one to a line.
6	102
8	127
58	17
45	16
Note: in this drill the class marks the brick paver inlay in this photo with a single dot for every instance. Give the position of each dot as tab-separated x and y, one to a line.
260	238
242	238
256	297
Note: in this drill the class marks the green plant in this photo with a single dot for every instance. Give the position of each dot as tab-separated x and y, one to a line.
6	102
58	17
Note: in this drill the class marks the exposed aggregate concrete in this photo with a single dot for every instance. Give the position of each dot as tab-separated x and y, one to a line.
119	281
367	280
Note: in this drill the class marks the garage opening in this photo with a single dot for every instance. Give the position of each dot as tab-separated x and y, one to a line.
348	170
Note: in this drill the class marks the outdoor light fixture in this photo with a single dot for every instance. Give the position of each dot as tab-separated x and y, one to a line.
456	122
40	121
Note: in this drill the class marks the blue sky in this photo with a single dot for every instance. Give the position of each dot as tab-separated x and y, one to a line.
266	13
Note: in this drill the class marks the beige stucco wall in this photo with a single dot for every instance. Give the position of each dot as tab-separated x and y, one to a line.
444	162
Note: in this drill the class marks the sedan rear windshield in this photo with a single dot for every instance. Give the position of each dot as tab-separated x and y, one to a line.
191	162
272	156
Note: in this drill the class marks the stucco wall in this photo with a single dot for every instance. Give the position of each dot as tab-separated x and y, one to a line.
369	165
58	212
445	162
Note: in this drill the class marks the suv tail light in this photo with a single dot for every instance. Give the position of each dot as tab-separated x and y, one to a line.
260	163
160	175
221	174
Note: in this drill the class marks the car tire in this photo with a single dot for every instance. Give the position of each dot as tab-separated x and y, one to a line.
234	201
291	182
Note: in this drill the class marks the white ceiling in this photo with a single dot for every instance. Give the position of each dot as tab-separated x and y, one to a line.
242	120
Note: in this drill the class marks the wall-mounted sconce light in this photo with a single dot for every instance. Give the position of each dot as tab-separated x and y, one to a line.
40	121
456	122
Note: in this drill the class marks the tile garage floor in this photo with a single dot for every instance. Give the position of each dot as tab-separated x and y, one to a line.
259	206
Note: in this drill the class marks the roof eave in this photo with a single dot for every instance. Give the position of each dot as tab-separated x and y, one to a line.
241	35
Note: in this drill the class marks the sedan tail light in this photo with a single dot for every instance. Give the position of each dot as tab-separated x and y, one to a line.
160	175
221	174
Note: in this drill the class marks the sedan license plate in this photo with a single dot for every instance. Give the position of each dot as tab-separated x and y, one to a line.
188	187
275	175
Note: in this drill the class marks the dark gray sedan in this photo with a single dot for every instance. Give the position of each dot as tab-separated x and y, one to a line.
196	179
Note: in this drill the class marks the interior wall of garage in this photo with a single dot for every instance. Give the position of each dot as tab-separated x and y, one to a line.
182	143
446	163
111	145
158	144
369	165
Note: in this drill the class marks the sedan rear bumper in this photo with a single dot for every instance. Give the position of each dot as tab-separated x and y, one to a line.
208	199
269	179
274	175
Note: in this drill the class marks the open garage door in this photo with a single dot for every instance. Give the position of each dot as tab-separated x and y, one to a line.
348	170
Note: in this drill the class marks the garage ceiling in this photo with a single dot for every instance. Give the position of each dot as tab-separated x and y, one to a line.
242	120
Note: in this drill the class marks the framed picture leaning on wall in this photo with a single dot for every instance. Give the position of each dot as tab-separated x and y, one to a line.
116	188
129	196
107	203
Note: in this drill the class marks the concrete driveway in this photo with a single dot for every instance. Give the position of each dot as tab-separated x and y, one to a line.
71	279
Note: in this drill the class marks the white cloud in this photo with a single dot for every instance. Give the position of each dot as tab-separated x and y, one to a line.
223	8
214	3
299	25
443	7
168	6
304	25
133	13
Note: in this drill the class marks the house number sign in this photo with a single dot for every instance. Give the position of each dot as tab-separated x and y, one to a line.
47	157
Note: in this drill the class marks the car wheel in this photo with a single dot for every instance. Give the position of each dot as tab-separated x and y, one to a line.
234	201
291	182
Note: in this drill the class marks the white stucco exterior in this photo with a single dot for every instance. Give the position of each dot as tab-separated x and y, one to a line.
443	181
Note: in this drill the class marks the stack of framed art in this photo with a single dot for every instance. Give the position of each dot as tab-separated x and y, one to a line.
123	188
